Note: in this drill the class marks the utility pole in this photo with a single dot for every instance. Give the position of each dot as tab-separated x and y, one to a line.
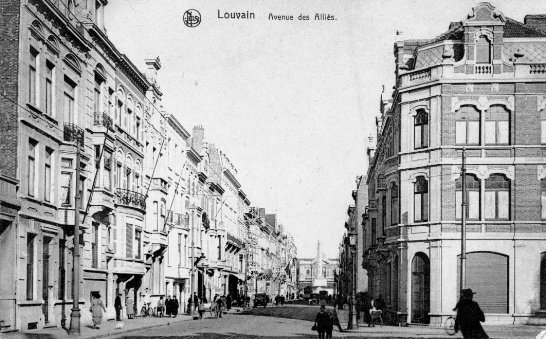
462	276
76	134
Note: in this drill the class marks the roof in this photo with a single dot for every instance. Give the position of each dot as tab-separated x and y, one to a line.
516	29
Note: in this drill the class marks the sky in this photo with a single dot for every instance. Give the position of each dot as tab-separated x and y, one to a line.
291	103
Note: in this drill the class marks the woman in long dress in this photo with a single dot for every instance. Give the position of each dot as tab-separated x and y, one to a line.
130	303
97	307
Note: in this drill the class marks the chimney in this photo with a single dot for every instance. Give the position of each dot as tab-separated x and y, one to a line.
197	138
152	66
536	21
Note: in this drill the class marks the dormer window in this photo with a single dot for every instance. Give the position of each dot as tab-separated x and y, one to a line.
483	50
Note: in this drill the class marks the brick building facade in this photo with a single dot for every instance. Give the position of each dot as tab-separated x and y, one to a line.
480	87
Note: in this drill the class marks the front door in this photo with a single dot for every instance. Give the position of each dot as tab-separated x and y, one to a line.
420	289
45	279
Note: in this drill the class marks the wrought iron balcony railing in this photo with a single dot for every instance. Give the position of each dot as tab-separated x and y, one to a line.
73	132
102	119
131	198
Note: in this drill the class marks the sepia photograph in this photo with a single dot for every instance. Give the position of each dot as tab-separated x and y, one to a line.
273	169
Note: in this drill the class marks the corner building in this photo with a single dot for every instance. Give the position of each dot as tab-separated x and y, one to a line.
480	86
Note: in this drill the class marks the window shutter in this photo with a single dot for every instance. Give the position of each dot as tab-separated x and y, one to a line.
129	241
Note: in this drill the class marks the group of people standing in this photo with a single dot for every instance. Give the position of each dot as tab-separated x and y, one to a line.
169	307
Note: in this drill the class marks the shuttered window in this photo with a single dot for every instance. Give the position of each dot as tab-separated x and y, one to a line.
129	241
487	275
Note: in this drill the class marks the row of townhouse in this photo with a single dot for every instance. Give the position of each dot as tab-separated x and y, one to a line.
477	89
157	203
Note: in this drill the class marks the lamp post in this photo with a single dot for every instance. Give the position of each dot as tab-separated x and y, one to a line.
76	134
352	286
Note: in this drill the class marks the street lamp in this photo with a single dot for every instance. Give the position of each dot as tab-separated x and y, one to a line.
352	312
75	134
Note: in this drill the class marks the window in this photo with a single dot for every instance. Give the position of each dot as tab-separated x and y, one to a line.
472	197
129	241
374	231
394	204
155	210
421	199
107	170
497	197
118	175
383	213
81	192
30	266
31	170
186	250
62	271
179	249
119	112
497	125
467	127
95	245
138	136
421	129
543	197
47	174
138	242
97	93
66	182
49	88
162	216
68	100
219	248
483	50
32	77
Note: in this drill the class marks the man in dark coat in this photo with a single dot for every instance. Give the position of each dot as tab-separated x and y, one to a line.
117	306
175	306
168	306
228	302
469	316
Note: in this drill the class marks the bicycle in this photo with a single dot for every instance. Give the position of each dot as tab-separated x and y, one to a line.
146	310
449	325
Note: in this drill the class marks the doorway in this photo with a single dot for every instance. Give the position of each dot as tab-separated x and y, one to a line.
420	289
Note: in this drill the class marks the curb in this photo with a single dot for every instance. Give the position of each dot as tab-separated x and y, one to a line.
107	335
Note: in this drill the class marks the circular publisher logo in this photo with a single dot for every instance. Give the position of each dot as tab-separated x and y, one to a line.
192	18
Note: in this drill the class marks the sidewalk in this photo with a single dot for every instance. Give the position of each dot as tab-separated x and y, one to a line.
494	331
107	328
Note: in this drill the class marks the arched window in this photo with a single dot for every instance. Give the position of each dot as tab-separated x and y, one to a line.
497	197
421	199
497	125
467	126
120	107
421	129
473	201
394	204
483	50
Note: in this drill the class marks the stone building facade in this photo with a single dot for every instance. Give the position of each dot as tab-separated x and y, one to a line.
146	184
479	87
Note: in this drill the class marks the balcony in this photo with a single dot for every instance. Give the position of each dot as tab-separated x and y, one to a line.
483	69
131	198
102	119
73	132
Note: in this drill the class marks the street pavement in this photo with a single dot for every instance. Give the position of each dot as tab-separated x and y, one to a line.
271	322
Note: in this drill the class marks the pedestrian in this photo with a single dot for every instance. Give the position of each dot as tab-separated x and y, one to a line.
469	316
130	306
380	303
358	307
219	305
96	309
330	325
228	301
322	321
176	305
168	306
118	307
366	305
160	307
